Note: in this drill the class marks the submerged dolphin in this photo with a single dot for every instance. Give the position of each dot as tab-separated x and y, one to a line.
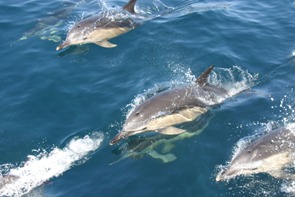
172	107
99	29
270	154
47	27
160	146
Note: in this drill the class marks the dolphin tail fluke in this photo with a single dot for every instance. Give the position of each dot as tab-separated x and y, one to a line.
129	7
106	44
203	78
171	131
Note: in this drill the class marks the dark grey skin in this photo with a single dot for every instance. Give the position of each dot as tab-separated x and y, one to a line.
172	107
100	28
270	154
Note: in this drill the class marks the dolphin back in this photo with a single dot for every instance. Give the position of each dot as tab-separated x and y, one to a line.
279	140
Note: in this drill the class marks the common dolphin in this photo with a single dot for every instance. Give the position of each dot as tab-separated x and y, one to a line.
160	146
163	111
270	154
47	27
100	28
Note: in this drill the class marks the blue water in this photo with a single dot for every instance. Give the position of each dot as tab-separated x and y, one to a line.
59	110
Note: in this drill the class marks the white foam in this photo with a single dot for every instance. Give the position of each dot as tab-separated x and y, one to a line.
234	80
39	169
288	187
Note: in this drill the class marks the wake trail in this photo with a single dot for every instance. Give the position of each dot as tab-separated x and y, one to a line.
46	165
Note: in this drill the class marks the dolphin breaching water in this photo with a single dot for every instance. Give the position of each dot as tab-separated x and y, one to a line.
270	154
100	28
160	146
162	112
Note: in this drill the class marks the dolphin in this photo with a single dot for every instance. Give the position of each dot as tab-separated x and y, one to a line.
138	147
47	27
163	111
270	154
100	28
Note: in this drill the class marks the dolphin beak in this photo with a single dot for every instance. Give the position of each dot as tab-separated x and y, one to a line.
227	174
221	176
123	134
118	137
62	45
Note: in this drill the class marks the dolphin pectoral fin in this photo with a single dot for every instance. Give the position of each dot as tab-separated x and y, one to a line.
192	113
171	131
106	44
167	148
165	158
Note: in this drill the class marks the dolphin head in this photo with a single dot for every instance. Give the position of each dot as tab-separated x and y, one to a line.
139	118
246	162
138	121
80	33
269	154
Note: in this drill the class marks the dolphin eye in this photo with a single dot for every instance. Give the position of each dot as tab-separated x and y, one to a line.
248	151
78	26
137	114
84	38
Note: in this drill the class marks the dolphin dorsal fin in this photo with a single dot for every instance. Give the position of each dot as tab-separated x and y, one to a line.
130	6
203	78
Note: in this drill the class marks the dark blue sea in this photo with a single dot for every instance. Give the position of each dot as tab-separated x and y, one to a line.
60	109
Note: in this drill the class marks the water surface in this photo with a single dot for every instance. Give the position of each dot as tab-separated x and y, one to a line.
74	101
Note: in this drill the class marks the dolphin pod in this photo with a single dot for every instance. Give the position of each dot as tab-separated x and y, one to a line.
99	29
163	111
270	154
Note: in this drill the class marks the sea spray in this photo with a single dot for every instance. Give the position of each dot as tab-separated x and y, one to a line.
46	165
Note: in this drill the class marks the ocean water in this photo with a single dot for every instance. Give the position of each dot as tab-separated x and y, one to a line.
60	109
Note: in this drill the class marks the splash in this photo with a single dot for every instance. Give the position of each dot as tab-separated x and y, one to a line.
234	80
191	7
285	107
289	186
46	165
